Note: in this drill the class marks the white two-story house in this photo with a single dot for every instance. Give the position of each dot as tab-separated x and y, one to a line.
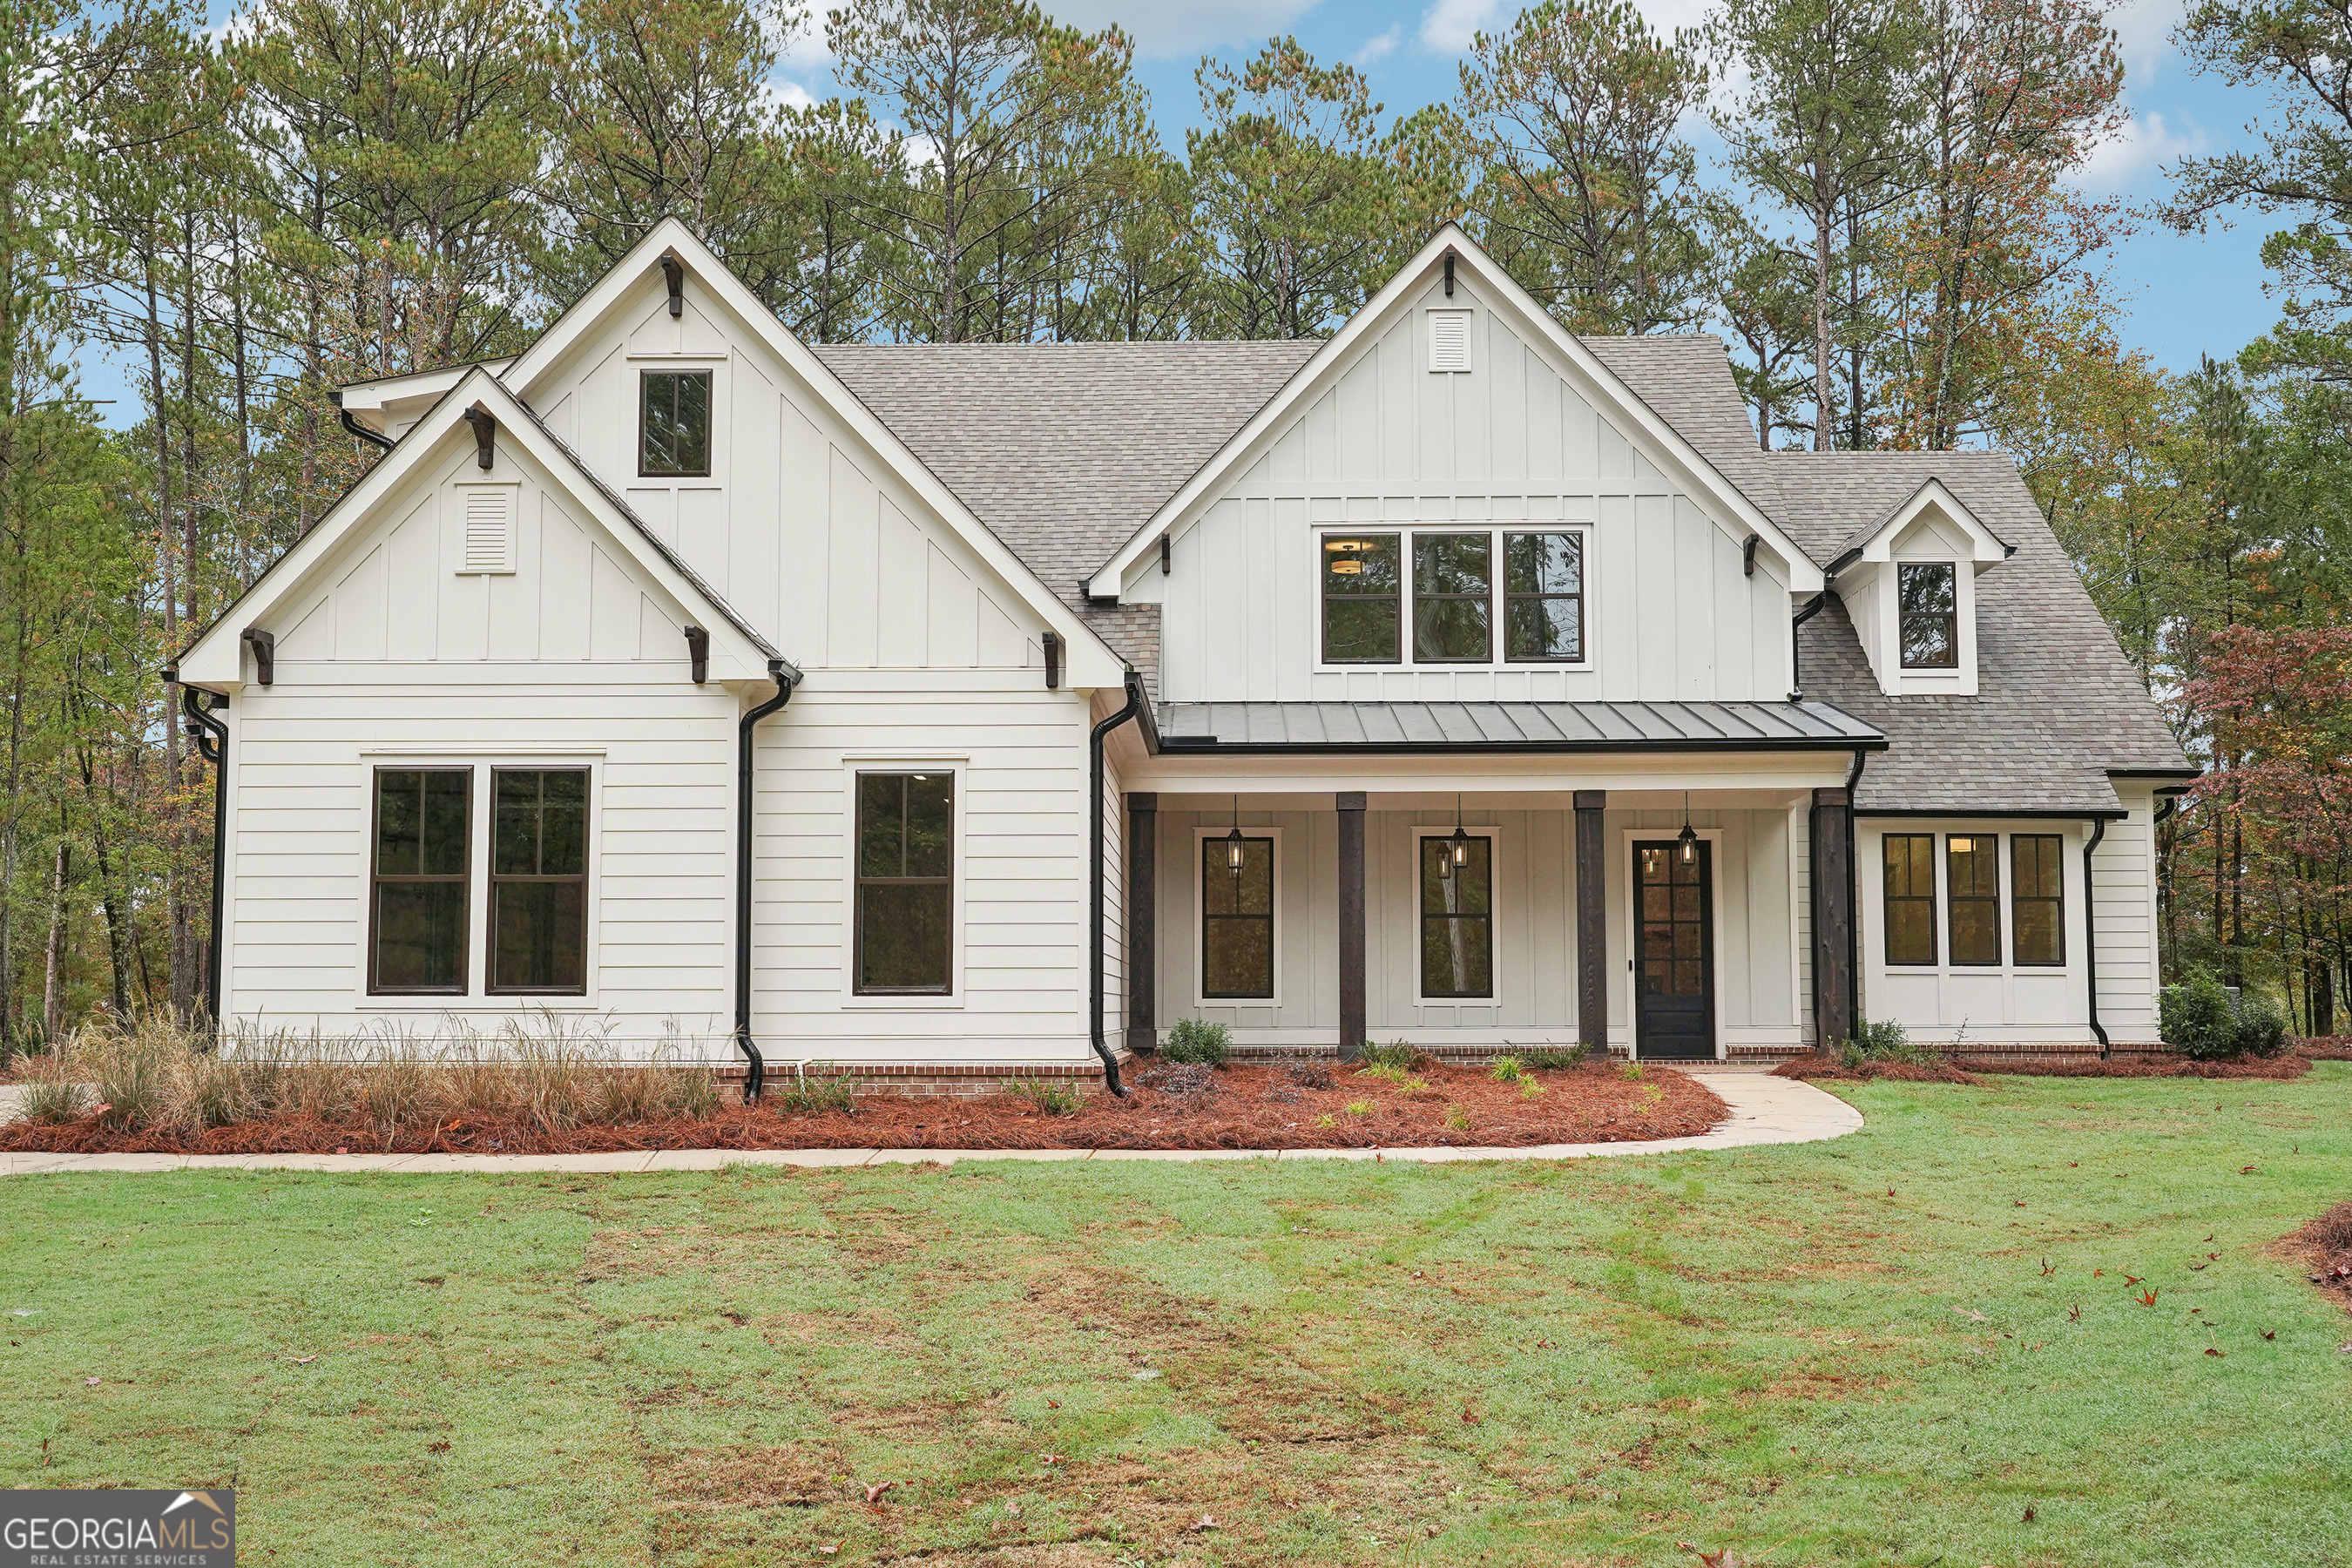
966	712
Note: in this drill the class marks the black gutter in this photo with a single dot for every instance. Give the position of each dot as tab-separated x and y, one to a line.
1853	898
1812	607
351	426
756	1077
211	737
1095	881
2090	935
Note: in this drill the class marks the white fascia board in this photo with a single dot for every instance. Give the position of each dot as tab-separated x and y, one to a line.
216	660
361	398
1090	662
1986	548
1693	470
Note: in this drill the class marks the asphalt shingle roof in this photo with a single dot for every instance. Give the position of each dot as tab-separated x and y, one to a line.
1065	449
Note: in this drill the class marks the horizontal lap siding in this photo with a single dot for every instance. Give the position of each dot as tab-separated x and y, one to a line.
304	752
2123	890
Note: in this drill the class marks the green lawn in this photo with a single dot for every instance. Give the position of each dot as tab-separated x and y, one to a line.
1863	1352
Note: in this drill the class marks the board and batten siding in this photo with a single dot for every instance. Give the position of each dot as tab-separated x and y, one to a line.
1388	444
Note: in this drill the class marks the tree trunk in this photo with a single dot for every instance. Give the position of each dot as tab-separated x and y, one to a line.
53	978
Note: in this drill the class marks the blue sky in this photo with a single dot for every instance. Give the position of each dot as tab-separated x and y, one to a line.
2182	296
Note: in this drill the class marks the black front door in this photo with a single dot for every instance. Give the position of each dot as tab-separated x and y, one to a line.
1674	979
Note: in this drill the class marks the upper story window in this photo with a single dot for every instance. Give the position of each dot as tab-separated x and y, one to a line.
673	423
1452	590
1927	599
1361	606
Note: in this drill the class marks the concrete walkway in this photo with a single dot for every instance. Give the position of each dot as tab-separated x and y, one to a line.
1764	1110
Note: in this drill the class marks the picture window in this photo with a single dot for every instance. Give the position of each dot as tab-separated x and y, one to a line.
673	423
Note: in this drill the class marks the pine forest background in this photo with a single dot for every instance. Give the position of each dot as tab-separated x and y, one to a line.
1891	243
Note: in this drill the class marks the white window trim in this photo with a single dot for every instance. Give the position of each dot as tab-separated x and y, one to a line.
477	996
1943	829
1496	664
1627	838
1495	903
850	996
1200	998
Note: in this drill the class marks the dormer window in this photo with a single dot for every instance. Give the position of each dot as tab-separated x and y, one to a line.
1928	597
673	423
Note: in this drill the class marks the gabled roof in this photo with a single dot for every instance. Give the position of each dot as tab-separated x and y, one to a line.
1874	540
1687	464
213	659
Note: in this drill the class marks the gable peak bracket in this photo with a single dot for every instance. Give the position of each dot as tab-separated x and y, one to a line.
674	274
485	434
264	653
698	653
1449	275
1053	645
1748	554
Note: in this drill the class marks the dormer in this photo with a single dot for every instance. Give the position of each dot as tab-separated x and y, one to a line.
1909	585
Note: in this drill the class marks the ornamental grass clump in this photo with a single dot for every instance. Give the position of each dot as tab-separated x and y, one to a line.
1553	1058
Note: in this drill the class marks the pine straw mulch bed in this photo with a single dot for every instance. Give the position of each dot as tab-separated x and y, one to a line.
1297	1106
1831	1069
2324	1248
1964	1069
2327	1049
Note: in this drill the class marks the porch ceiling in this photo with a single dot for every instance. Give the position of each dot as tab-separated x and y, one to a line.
1389	727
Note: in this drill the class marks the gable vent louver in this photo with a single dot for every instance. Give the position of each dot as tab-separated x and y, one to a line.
488	544
1449	342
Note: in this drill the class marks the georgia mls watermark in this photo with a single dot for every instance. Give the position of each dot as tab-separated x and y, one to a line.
118	1530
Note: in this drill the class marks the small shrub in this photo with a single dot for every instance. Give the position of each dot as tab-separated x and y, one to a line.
1309	1075
810	1094
1630	1071
1180	1081
1397	1054
1047	1099
2195	1017
1554	1059
1360	1107
1507	1069
1385	1072
1326	1120
1530	1089
2258	1029
1193	1040
1881	1041
1457	1118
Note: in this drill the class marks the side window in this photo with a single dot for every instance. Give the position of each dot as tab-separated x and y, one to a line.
1972	882
1457	920
1910	898
1543	596
539	881
1237	918
2037	901
906	884
1361	606
1928	602
416	912
1453	598
674	422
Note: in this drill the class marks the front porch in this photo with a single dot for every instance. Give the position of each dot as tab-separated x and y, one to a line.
1505	914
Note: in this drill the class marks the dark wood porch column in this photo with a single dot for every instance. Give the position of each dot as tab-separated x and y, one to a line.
1142	867
1832	904
1351	923
1592	922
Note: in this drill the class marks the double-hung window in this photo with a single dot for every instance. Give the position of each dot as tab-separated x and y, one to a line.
906	884
1457	920
539	882
2037	901
1927	600
1972	883
418	905
1236	920
1488	596
1910	898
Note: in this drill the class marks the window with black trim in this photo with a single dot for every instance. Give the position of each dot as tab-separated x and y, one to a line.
2037	897
1972	886
1361	605
539	882
416	909
1453	598
906	884
1928	599
1543	597
1910	898
1236	920
1457	920
673	423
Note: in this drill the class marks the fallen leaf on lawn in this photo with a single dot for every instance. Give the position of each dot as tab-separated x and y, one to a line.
1470	1416
964	1502
1013	1510
2196	1267
302	1359
439	1446
2270	1334
1053	1405
2021	1203
2029	1515
91	1382
2245	1169
1050	1459
2210	1351
2133	1278
1145	1376
874	1493
1207	1523
1546	1345
1970	1313
828	1550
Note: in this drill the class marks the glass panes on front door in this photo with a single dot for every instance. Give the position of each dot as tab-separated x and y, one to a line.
905	883
1457	920
1236	920
416	938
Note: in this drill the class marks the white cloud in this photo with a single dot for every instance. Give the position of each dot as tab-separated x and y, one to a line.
2144	33
1379	45
1173	28
2149	141
782	93
1448	25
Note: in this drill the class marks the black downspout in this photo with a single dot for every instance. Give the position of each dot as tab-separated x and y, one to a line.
1812	607
211	737
352	427
756	1076
1853	899
2090	936
1095	881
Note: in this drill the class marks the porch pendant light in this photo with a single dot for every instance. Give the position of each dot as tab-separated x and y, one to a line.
1461	840
1233	842
1687	839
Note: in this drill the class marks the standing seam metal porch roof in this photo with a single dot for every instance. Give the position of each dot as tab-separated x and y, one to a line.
1590	726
